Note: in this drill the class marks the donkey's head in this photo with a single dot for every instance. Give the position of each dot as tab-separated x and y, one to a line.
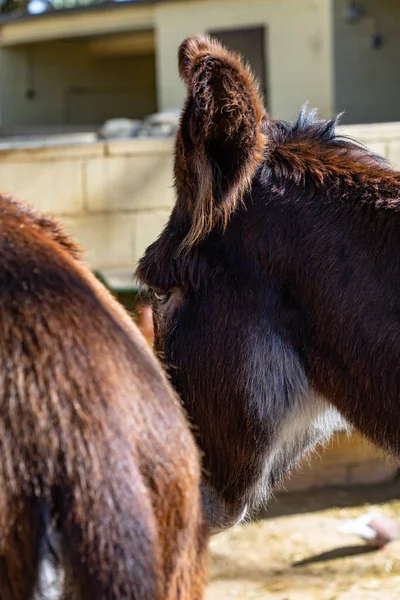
226	327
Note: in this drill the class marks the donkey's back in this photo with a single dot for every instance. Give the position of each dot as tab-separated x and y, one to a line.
94	445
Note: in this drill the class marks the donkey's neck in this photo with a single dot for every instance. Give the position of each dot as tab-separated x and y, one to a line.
337	250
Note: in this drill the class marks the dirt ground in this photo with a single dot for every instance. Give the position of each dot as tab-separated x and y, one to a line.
296	552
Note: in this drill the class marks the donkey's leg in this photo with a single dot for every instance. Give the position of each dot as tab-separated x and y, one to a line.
20	551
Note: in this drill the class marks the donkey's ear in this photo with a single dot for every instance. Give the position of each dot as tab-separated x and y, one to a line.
219	143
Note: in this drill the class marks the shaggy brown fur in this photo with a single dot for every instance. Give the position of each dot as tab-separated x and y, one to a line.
293	307
91	435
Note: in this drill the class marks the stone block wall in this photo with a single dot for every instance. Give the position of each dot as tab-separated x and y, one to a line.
114	198
347	460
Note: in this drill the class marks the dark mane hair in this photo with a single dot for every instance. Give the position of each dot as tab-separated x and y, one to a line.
310	150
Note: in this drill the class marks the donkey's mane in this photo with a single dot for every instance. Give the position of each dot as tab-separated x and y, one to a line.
310	151
306	127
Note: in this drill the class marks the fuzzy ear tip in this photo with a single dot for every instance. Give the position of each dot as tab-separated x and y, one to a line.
189	51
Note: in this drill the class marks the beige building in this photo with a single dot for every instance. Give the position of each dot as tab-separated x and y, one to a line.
75	68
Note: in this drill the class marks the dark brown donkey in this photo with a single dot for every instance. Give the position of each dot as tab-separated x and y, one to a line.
93	443
277	283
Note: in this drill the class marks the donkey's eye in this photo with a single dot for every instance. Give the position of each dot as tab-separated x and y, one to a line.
161	297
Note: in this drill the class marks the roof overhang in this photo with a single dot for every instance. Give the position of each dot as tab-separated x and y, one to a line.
114	18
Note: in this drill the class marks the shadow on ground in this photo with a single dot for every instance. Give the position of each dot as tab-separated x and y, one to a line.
295	551
285	504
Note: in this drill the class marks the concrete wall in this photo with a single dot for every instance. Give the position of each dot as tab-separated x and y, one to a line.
347	460
381	138
114	198
71	86
298	52
367	81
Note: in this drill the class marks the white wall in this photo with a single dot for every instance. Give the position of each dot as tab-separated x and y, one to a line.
298	53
